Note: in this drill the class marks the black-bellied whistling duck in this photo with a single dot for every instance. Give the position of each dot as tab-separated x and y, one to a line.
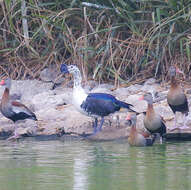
153	122
137	138
13	110
93	104
176	98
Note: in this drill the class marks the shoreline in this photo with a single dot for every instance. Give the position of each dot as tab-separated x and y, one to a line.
57	117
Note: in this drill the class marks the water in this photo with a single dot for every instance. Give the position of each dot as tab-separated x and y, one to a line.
82	165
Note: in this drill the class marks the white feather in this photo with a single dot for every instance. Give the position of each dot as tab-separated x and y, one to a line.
17	110
79	96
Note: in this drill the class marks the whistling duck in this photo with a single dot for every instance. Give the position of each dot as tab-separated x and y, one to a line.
137	138
13	110
152	121
176	98
93	104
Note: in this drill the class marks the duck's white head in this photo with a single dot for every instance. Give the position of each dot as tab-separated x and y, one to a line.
79	94
73	69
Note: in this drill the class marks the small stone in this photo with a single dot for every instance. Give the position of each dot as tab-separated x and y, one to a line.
50	74
90	85
150	81
188	91
48	100
121	93
103	88
134	88
139	106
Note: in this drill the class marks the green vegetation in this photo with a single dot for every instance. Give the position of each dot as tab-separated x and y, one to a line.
113	40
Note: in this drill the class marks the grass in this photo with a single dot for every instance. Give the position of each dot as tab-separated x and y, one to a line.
117	41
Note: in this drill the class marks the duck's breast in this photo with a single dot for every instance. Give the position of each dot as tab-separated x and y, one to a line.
79	96
176	97
152	123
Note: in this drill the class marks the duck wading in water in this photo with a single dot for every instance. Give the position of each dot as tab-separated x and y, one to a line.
93	104
137	138
153	122
14	110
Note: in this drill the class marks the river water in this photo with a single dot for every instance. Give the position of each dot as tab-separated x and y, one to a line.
84	165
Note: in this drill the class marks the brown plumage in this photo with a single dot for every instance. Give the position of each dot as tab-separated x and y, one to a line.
176	98
14	110
137	138
153	122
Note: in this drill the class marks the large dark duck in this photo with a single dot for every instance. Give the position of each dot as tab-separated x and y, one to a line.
137	138
176	98
92	104
13	110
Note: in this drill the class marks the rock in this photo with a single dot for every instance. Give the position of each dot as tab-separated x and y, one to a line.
48	100
104	88
188	91
63	91
164	111
15	96
105	85
26	127
121	92
150	81
90	85
139	106
75	121
51	74
134	88
159	97
101	90
188	119
27	131
48	74
27	88
151	86
52	114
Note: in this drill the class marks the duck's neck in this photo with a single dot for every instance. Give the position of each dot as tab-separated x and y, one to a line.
79	94
133	127
150	109
133	130
77	79
150	103
174	82
5	97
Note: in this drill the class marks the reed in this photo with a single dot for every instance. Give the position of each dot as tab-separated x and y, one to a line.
115	41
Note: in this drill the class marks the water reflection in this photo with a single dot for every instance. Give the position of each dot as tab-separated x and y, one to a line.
81	165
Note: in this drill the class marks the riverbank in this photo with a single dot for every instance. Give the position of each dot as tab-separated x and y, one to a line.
58	118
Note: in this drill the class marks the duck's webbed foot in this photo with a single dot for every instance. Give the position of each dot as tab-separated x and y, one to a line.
15	137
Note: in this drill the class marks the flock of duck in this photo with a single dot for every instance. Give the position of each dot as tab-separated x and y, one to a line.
101	104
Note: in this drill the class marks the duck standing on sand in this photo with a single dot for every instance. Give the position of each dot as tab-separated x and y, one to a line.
14	110
93	104
176	98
